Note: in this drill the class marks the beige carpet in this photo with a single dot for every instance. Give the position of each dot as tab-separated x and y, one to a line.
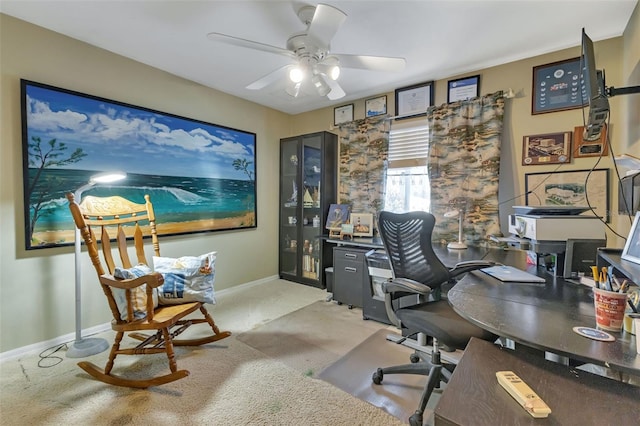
313	337
231	383
334	344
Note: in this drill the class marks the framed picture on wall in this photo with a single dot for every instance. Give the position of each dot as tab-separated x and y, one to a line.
569	188
463	88
342	114
558	86
412	101
201	176
582	148
375	106
550	148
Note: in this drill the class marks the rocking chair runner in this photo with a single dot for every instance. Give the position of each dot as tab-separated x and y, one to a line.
114	213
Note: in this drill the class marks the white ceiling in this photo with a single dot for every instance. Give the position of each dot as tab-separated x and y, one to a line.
438	39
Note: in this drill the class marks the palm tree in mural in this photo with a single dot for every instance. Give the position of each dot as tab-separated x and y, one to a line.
243	164
52	154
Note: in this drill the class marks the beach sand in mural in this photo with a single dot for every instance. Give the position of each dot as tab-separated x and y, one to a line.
67	236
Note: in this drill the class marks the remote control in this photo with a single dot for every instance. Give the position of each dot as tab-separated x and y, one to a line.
522	393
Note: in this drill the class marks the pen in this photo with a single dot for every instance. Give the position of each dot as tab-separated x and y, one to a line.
594	271
624	286
605	281
617	283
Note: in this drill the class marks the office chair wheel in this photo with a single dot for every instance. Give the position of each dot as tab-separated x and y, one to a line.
377	376
415	419
414	358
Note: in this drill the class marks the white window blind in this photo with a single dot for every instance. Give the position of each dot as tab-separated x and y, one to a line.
408	144
407	184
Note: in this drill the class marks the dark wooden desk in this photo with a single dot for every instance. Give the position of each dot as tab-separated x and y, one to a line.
474	397
541	316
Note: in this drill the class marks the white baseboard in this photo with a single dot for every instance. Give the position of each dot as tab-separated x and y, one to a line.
70	337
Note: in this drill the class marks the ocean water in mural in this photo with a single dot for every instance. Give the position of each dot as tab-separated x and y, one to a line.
175	199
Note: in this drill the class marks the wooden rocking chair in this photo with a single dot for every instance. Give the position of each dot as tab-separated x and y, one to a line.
168	321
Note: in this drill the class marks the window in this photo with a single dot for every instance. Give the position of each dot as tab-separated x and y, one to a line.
407	184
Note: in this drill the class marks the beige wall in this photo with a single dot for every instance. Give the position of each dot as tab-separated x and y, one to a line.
519	121
37	286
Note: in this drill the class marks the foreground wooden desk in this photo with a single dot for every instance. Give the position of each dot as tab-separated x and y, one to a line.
474	397
540	316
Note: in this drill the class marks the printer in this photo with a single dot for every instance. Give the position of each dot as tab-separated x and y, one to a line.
558	238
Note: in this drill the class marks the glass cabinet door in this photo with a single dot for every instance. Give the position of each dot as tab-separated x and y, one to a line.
290	206
310	214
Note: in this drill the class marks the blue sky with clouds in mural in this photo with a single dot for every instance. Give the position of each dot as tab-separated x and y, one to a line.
133	139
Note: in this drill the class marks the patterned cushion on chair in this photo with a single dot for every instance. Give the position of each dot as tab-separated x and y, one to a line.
186	279
138	294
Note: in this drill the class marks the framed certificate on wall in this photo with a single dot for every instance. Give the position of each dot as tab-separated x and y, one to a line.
462	89
414	100
558	86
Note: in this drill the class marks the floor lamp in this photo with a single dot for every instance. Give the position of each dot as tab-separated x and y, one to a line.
458	245
85	347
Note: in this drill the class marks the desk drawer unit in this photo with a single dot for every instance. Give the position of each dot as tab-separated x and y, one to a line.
350	272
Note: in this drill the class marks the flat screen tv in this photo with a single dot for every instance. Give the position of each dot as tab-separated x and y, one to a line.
598	102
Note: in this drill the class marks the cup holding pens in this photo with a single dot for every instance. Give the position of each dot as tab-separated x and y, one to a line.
609	307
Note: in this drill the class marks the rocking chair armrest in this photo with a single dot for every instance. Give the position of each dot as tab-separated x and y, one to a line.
154	279
406	286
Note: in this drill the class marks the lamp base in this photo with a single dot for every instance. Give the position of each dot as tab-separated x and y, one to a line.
458	245
86	347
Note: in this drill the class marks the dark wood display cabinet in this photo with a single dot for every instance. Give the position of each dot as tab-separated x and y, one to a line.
308	170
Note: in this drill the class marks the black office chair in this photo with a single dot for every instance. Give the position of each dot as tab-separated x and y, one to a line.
417	270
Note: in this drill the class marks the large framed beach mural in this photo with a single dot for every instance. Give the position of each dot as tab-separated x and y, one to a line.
201	177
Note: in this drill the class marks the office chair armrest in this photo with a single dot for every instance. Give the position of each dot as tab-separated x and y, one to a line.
405	285
470	265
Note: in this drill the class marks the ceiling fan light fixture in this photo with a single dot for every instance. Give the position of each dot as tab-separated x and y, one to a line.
321	86
334	72
330	70
296	74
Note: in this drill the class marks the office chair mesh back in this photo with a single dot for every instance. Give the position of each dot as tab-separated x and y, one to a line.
407	240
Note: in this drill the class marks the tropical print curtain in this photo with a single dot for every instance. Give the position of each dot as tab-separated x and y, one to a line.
464	164
364	146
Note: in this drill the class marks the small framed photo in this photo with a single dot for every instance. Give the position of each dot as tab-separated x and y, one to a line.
582	148
550	148
412	101
558	86
462	89
375	106
631	251
362	224
338	214
342	114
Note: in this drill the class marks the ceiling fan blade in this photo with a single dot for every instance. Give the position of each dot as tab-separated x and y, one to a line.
375	63
269	79
249	44
325	23
336	91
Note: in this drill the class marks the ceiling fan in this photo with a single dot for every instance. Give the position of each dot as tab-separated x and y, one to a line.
313	68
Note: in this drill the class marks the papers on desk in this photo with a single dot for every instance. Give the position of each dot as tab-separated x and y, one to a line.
512	275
